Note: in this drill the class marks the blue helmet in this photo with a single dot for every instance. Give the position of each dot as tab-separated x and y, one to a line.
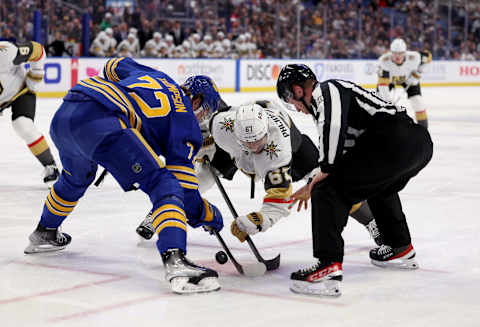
204	86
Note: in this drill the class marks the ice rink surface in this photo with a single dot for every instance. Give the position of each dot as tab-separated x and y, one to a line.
106	278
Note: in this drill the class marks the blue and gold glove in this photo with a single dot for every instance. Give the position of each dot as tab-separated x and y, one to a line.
211	218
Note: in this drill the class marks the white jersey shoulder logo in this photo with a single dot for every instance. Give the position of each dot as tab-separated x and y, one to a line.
271	150
227	124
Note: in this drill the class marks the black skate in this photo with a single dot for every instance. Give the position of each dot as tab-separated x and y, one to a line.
186	277
146	229
322	279
374	232
47	240
387	257
50	175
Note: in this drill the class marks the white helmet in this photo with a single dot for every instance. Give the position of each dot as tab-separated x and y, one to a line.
398	45
251	123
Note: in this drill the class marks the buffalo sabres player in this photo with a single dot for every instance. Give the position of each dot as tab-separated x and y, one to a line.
266	143
138	124
369	149
400	67
17	90
205	102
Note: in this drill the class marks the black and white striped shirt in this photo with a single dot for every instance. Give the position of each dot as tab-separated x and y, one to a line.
342	111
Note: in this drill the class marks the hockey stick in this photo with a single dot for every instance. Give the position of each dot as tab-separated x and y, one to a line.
101	178
271	264
252	186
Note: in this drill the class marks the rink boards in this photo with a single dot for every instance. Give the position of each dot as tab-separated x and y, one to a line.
252	75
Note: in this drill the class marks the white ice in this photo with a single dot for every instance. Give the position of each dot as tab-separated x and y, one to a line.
104	278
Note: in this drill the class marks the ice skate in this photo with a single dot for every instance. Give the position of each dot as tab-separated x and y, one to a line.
185	277
399	258
47	240
50	175
146	230
322	279
374	232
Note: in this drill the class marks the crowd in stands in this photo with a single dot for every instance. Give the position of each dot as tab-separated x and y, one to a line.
329	29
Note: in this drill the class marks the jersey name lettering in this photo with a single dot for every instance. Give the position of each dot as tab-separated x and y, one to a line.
280	124
177	97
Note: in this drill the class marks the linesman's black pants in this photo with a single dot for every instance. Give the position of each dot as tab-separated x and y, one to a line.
383	160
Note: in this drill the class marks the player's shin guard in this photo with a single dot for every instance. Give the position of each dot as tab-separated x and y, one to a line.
37	144
420	112
399	258
170	223
60	202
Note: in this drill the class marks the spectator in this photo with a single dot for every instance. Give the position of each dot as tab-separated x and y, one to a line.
177	33
128	47
57	47
106	22
111	43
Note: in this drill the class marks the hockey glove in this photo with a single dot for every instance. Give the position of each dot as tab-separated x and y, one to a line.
34	79
207	150
211	218
412	80
247	225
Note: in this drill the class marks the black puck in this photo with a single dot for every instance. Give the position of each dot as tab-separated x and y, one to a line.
221	257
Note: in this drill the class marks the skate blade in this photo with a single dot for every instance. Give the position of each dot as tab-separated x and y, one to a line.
397	264
327	288
180	285
254	270
31	249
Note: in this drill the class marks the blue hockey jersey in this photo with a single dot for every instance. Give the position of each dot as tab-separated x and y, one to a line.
152	103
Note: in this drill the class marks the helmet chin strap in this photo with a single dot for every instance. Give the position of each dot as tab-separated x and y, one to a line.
309	108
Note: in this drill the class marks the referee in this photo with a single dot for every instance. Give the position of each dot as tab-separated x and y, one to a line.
369	149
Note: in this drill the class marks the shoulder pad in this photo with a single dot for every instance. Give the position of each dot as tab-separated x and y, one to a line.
226	124
426	56
8	51
413	56
25	50
262	103
385	57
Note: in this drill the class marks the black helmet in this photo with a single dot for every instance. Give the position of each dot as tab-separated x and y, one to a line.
292	73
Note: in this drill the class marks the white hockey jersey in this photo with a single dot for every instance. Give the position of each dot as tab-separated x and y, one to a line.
406	74
13	75
391	73
272	164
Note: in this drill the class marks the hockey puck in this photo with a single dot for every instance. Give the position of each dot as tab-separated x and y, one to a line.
221	257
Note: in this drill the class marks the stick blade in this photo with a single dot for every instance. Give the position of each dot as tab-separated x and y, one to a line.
254	270
272	264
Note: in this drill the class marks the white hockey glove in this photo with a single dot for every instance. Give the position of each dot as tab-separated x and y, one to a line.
208	149
34	79
247	225
204	176
412	80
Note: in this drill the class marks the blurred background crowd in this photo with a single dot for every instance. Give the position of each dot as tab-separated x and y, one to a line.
329	29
